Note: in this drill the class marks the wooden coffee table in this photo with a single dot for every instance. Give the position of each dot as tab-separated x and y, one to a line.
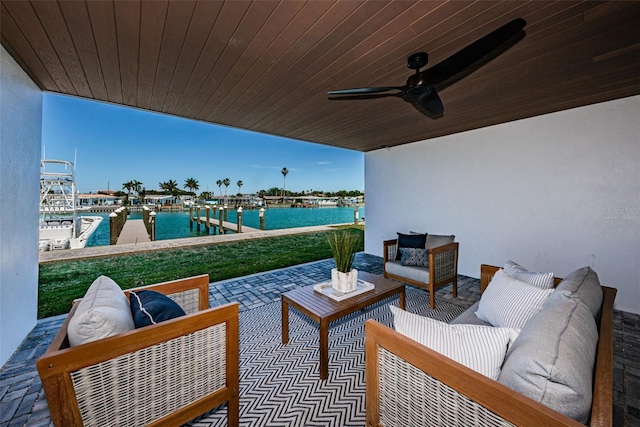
323	310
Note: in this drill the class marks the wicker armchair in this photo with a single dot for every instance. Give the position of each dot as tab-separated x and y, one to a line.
164	374
443	268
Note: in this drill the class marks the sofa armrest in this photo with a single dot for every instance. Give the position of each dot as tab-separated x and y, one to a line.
601	409
441	388
443	263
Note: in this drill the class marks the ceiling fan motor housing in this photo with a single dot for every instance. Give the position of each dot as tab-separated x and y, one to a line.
418	60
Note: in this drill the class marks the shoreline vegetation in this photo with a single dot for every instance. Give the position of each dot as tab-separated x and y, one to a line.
59	283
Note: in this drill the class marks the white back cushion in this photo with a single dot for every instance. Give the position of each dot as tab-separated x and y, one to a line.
103	312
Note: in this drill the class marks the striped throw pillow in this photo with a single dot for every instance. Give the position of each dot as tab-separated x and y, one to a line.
509	302
481	348
541	280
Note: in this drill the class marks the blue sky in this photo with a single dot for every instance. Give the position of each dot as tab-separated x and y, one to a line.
117	144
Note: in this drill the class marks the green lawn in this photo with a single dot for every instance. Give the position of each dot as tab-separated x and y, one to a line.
62	282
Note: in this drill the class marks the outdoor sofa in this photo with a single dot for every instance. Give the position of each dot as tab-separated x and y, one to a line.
409	384
163	374
435	264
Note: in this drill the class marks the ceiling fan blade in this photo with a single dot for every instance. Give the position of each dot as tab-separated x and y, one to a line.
474	52
364	96
429	100
362	90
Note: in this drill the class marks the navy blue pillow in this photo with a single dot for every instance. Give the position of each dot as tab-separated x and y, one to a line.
410	241
151	307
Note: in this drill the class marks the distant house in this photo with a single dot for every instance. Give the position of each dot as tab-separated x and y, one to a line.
162	199
97	200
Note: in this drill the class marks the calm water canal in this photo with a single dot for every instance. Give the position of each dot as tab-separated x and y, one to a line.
175	225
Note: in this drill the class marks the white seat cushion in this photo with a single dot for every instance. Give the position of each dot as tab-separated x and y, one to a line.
419	274
468	317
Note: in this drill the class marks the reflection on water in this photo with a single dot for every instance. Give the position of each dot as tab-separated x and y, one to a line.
175	225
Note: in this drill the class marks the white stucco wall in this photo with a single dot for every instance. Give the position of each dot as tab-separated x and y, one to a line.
20	136
553	193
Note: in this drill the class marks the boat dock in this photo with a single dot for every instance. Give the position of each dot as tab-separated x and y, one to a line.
220	224
134	231
226	225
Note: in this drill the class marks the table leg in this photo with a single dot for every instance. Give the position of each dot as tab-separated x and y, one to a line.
285	321
324	349
403	298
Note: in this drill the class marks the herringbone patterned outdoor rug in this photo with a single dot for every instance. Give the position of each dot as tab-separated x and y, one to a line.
280	385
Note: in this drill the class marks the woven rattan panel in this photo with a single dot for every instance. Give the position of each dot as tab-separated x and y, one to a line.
189	300
391	251
146	385
444	265
409	397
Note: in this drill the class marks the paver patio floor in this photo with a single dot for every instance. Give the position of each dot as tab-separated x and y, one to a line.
22	400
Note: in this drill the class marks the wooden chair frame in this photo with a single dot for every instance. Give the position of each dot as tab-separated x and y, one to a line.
60	361
495	397
436	280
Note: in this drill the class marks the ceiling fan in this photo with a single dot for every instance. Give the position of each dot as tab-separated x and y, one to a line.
421	86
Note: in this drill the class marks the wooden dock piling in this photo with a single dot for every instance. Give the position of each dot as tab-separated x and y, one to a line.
261	218
117	220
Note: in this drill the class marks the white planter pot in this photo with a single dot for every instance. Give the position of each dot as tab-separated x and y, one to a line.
344	282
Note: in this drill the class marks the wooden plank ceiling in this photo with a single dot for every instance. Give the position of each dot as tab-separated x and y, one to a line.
267	65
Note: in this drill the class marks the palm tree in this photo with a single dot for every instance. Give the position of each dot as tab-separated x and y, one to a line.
239	184
142	194
137	187
192	184
170	187
174	188
128	186
227	183
219	183
284	172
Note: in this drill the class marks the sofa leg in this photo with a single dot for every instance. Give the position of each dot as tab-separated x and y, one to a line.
233	411
455	287
432	298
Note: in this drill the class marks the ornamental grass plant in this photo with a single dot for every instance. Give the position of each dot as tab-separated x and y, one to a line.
344	245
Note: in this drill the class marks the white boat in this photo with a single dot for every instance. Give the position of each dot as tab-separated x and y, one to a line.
60	225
